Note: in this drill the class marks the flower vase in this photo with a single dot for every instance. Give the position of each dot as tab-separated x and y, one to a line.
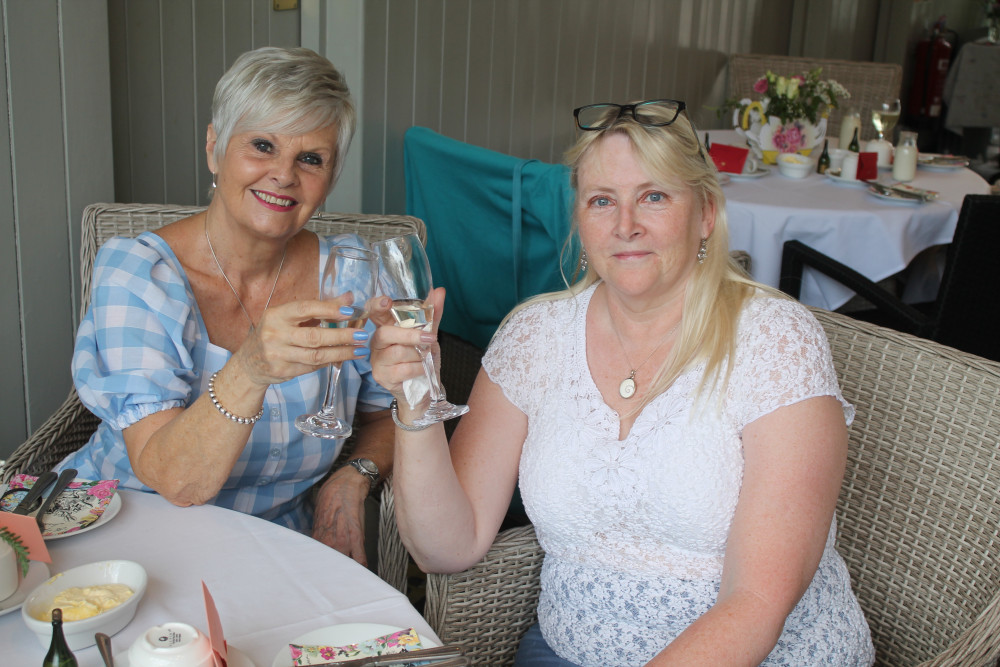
768	136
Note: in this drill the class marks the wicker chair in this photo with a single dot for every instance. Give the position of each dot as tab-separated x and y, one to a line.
917	517
867	82
71	426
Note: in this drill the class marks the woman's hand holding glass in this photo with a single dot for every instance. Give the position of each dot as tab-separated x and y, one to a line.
405	277
348	270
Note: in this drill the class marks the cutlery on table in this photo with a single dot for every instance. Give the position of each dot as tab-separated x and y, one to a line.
439	656
890	191
65	477
31	500
104	646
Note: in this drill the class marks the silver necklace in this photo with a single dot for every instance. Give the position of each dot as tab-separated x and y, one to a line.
237	294
627	387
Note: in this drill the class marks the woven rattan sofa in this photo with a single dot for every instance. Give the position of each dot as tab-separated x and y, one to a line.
71	426
918	515
867	82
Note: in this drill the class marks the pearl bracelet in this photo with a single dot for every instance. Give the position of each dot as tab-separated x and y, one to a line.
226	413
399	422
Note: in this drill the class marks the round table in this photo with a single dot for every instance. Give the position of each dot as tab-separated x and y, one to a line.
873	236
270	584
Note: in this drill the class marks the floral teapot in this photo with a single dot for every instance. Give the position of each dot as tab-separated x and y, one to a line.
768	136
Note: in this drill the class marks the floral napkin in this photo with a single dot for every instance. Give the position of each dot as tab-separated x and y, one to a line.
397	642
79	505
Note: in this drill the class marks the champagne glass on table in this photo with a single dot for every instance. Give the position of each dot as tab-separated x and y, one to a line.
405	277
354	270
885	115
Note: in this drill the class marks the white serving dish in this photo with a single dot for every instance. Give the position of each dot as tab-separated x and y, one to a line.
794	165
80	634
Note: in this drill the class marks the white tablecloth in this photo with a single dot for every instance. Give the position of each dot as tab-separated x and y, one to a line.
270	584
874	237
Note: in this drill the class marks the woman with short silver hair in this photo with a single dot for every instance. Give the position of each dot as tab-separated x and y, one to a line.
202	328
676	430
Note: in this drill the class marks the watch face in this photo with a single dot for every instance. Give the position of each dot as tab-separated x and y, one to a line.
369	466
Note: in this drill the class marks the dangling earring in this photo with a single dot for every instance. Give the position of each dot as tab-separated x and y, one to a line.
703	251
215	180
583	261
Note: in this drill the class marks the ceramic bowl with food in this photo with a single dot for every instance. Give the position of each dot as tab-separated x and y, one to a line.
95	588
794	165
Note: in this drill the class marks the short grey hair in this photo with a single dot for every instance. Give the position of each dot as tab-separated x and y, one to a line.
284	91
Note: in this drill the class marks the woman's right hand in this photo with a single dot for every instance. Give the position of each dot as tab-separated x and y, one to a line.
394	355
290	342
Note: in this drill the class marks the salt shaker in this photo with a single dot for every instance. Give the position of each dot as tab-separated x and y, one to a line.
904	167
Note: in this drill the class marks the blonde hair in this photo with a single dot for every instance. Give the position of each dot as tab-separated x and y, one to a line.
718	287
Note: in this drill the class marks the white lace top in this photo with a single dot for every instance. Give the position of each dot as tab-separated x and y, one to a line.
634	530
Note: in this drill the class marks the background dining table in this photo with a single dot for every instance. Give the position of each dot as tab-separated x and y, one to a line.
875	237
270	584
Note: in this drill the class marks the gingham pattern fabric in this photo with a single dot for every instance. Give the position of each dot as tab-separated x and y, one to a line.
143	347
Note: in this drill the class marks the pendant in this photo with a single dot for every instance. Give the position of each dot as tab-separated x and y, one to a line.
627	388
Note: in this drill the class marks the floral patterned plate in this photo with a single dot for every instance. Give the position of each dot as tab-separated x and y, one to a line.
82	506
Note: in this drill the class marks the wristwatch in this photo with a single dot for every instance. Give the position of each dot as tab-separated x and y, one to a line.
367	468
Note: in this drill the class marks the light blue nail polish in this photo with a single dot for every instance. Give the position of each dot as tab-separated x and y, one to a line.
346	310
360	351
360	335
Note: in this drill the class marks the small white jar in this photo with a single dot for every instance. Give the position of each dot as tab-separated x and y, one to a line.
904	167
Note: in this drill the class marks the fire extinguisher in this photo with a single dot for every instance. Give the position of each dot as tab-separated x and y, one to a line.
932	59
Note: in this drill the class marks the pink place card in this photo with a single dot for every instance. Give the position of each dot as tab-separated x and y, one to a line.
26	529
215	634
867	166
728	158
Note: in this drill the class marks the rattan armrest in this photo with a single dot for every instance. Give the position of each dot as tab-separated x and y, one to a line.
490	606
65	431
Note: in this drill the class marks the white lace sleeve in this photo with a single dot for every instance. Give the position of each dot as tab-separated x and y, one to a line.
782	357
517	356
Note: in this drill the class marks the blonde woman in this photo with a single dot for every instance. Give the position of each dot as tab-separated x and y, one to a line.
677	432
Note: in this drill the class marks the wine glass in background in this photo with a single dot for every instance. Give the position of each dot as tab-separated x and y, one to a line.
354	270
885	115
405	277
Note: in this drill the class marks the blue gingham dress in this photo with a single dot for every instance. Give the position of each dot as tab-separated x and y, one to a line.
143	347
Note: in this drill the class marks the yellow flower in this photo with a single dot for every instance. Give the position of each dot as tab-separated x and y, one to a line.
782	86
793	89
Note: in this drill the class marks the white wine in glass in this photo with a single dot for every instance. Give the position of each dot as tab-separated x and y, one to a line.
354	270
405	277
885	115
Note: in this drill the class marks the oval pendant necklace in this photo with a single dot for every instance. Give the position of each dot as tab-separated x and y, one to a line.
628	387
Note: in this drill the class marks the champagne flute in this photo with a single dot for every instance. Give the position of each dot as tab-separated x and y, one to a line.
884	117
405	277
354	270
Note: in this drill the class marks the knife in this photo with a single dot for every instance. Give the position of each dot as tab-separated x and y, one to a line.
30	500
439	656
65	477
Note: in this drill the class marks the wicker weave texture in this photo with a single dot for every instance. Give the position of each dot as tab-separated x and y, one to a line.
867	82
489	607
919	513
71	426
918	516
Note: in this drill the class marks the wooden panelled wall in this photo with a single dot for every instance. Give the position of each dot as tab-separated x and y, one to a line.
55	158
507	74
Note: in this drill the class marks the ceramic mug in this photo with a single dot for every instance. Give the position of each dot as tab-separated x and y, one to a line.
171	645
8	571
849	167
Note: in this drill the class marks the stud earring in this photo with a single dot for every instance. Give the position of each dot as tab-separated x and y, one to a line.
703	251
